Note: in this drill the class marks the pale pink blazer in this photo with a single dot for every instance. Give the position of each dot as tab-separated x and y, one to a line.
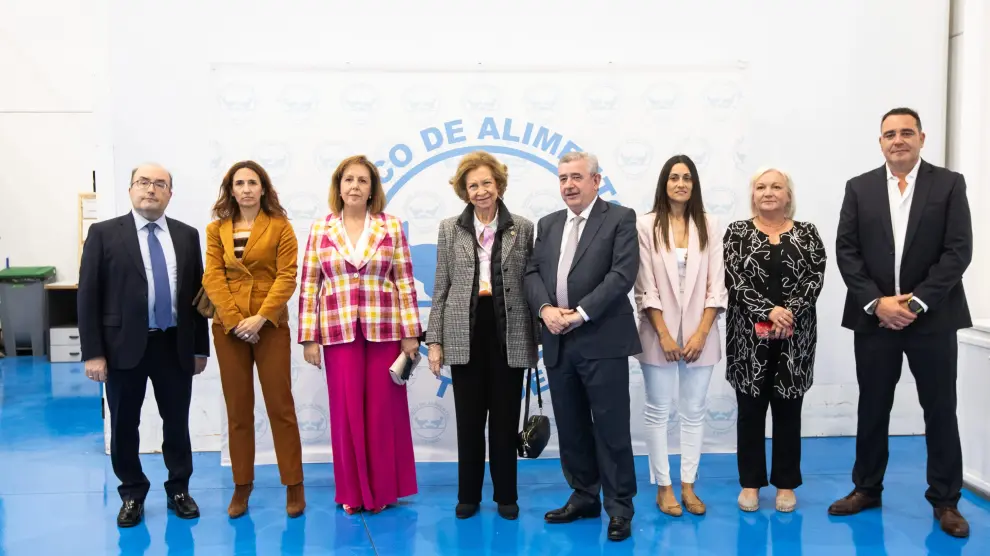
657	287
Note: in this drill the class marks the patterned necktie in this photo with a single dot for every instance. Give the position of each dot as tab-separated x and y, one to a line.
159	272
570	246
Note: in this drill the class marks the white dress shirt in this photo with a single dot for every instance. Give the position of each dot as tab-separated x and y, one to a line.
900	211
567	230
357	249
173	270
485	254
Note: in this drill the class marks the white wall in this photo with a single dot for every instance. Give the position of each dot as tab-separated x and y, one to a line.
52	59
969	133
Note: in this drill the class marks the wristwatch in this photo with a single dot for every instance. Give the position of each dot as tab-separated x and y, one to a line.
915	307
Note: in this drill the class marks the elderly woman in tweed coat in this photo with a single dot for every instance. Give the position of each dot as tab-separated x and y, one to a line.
481	327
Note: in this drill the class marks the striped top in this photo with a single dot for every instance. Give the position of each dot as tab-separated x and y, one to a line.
241	234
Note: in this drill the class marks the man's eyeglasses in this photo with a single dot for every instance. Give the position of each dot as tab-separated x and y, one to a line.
145	183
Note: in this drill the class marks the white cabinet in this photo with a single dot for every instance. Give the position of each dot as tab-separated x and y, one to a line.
65	347
973	410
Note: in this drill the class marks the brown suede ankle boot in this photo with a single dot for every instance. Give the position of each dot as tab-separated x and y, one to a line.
295	500
239	502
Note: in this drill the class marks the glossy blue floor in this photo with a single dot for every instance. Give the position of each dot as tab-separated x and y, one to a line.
58	497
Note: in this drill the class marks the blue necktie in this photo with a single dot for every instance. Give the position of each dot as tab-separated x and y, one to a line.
159	271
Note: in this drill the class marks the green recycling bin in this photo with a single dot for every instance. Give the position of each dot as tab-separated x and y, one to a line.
23	308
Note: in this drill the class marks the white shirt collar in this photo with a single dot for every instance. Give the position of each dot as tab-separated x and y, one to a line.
479	226
141	221
912	175
584	213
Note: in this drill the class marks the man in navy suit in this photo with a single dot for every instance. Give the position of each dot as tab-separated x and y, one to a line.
905	238
137	280
583	266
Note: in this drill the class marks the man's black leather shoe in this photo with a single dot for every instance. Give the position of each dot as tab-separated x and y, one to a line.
130	514
183	505
570	513
464	511
508	511
619	528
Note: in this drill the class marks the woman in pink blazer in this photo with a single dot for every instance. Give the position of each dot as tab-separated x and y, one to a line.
680	290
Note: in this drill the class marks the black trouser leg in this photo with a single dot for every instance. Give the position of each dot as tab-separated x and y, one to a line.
932	359
878	368
785	472
173	393
470	412
751	454
575	431
125	396
503	428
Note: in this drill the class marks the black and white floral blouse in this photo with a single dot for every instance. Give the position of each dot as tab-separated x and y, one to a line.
760	276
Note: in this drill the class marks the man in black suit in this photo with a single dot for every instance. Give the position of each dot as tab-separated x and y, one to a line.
584	264
904	240
137	280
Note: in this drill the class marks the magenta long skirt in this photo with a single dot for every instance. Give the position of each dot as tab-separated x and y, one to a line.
373	462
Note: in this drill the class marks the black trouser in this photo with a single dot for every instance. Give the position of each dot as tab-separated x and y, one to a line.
486	390
751	455
125	396
932	360
591	409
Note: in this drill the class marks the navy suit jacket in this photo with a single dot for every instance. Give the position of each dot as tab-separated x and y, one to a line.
113	294
601	276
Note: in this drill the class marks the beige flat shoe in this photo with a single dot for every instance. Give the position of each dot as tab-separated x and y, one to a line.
690	499
748	503
671	508
786	501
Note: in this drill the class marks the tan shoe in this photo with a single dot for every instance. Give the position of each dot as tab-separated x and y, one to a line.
239	501
295	500
690	499
667	502
786	500
749	500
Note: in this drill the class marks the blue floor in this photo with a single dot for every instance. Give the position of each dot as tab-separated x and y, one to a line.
58	497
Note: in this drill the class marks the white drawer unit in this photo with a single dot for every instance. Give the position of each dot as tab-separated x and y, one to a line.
65	346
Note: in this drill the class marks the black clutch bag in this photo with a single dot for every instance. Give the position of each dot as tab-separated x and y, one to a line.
535	434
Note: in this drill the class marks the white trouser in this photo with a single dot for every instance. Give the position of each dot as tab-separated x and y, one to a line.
692	405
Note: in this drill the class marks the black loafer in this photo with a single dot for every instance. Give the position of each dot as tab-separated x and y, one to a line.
570	513
183	505
464	511
619	528
130	514
508	511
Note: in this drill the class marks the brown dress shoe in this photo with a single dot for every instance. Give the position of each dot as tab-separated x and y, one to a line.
239	502
952	522
853	504
295	500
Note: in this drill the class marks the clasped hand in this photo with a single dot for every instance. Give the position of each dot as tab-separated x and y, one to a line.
893	312
690	352
560	321
249	329
783	323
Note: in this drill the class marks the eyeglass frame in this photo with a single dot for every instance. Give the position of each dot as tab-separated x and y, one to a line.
146	184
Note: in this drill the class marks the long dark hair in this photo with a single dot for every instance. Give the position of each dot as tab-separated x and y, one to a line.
226	205
695	209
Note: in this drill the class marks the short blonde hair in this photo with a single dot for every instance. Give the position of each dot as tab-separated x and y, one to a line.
591	159
788	182
473	161
376	200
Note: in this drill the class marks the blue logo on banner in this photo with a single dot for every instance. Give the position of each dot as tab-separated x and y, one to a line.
440	144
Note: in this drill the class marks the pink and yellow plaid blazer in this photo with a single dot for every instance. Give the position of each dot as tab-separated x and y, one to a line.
334	295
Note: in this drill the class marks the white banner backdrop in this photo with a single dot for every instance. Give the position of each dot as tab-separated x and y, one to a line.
300	122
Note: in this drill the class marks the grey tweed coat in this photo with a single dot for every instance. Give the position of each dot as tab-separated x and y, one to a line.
455	289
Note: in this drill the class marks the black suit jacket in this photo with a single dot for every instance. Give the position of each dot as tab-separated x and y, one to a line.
113	294
938	248
602	275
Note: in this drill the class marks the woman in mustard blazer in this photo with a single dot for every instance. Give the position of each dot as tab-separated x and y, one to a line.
250	275
680	291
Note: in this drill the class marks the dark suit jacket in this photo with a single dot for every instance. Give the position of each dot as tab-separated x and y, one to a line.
113	294
602	275
938	248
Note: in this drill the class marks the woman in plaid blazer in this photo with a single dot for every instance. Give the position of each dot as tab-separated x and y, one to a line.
480	325
357	302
